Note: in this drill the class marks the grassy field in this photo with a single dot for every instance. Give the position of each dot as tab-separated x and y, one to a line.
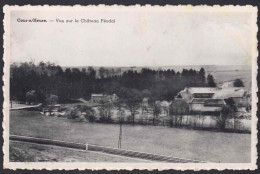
200	145
29	152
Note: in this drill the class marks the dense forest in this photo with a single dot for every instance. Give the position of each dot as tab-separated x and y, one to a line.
71	83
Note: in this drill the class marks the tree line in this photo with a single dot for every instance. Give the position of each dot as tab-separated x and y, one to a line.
178	116
45	79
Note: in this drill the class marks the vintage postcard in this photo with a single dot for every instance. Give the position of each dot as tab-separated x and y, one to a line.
130	87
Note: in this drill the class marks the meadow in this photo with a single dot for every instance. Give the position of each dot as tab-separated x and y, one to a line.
183	143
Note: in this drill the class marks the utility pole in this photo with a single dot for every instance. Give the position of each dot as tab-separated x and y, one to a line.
121	113
119	105
120	132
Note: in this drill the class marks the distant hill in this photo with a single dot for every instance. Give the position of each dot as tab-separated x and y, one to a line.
223	74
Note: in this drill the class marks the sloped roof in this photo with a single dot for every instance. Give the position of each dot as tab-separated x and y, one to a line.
165	104
184	95
218	93
229	93
199	100
97	95
202	90
208	102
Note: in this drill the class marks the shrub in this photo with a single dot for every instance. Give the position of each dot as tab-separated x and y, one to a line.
90	114
31	97
72	113
177	109
105	111
80	110
223	117
105	114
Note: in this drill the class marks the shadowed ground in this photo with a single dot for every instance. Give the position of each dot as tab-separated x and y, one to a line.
29	152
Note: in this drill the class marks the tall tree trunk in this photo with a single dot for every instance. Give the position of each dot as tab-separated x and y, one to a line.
180	120
120	134
133	117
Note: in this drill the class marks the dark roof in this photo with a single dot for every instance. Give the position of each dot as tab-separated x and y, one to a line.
208	102
199	100
214	102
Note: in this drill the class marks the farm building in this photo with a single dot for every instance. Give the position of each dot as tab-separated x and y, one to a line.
97	97
101	97
206	99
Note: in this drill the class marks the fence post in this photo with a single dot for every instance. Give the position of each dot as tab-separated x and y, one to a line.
86	146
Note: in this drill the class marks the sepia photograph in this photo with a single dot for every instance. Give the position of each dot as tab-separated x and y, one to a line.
138	87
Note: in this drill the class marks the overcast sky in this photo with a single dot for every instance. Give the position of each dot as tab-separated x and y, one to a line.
138	38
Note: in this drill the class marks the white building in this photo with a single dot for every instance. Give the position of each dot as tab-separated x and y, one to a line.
205	99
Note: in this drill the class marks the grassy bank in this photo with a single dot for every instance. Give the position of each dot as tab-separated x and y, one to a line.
28	152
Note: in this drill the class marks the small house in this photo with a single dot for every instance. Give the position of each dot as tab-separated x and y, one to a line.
97	97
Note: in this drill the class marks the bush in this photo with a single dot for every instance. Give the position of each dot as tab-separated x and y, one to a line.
73	113
222	119
80	110
105	115
31	97
129	119
91	118
105	112
177	109
90	114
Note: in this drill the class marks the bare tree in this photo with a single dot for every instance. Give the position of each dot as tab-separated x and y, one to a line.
105	111
177	109
156	109
51	101
132	98
223	117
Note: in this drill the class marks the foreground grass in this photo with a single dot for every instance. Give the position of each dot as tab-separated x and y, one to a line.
200	145
29	152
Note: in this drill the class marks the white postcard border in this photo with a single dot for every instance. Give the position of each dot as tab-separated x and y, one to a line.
128	166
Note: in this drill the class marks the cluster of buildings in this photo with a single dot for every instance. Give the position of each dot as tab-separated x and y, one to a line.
205	99
200	99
